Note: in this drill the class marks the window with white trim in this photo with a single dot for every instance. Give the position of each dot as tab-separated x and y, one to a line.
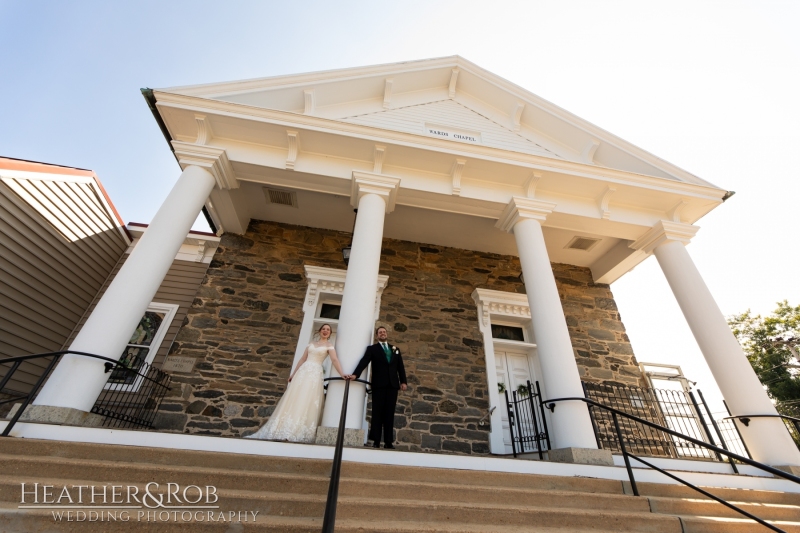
143	345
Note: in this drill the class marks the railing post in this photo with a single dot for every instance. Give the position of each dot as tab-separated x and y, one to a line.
329	521
625	455
30	396
518	420
510	424
591	415
716	428
534	418
544	417
7	377
704	425
750	455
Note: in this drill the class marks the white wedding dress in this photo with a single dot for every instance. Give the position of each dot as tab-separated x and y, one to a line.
299	410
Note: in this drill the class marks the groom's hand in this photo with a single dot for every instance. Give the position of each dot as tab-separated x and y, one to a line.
403	386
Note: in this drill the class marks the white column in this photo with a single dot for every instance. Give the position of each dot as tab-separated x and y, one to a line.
571	425
766	438
374	196
77	381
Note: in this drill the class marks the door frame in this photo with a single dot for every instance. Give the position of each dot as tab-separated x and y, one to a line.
506	308
533	371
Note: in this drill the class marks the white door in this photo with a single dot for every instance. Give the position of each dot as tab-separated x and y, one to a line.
513	370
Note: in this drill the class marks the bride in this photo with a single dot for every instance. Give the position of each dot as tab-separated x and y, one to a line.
299	410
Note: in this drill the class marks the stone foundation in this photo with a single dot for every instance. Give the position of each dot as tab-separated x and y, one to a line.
245	321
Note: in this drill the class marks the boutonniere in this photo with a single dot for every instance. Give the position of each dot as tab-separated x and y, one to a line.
396	350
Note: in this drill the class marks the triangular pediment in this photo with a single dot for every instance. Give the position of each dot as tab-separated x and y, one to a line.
453	121
449	91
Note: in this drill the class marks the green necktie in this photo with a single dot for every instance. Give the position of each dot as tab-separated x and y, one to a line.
387	351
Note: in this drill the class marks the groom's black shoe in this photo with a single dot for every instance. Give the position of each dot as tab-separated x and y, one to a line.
389	447
376	445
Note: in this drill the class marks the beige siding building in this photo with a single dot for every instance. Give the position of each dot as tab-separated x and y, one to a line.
61	243
60	239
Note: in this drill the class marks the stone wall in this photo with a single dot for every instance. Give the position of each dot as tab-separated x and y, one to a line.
245	322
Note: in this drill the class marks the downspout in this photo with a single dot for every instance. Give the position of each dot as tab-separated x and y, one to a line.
150	98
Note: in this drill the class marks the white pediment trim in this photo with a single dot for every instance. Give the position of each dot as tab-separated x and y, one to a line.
323	280
500	304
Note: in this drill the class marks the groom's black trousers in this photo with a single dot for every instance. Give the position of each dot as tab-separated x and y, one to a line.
384	401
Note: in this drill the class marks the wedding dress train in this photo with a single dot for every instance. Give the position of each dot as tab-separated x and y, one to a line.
299	410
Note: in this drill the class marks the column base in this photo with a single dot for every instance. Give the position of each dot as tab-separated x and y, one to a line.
64	416
790	469
353	438
584	456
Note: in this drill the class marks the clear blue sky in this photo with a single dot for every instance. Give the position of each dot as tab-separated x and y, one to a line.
710	86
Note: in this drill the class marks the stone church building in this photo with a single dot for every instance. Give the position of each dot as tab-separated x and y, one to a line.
479	223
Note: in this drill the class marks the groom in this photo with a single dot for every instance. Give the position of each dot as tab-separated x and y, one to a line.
388	375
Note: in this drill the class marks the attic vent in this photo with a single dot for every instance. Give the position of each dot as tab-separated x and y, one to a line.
280	197
582	243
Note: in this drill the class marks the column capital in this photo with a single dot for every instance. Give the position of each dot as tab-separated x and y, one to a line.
214	160
370	183
664	231
520	208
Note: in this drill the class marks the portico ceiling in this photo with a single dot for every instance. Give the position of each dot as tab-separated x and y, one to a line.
462	141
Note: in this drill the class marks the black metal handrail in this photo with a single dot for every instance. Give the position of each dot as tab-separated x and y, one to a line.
110	364
792	423
551	404
745	419
329	521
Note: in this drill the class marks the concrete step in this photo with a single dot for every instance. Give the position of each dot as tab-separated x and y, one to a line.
447	492
546	508
481	478
705	507
254	463
698	524
505	515
26	467
742	495
13	520
162	456
60	471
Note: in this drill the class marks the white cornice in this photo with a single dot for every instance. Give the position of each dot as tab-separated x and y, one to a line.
213	159
196	247
523	208
293	120
369	183
664	231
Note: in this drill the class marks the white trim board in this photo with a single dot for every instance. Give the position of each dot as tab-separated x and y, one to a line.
370	456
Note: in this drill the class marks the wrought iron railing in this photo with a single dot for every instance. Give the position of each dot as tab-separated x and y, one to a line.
133	394
674	409
623	443
329	519
130	399
526	422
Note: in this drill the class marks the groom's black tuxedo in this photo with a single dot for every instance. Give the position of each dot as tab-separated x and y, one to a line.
386	379
385	374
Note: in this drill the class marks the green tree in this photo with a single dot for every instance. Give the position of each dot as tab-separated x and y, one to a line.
771	344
